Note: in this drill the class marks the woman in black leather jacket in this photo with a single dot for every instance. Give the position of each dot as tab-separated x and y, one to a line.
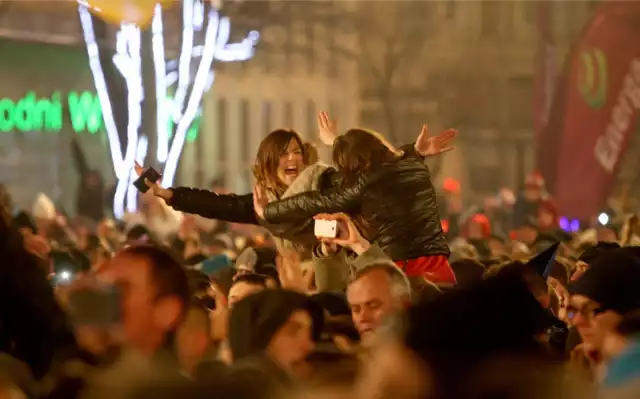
390	193
283	167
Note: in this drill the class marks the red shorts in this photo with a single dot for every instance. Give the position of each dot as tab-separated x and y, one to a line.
433	268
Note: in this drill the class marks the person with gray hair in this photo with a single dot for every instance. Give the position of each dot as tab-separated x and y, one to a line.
376	288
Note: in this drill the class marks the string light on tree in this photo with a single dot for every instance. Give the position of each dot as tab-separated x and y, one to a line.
183	107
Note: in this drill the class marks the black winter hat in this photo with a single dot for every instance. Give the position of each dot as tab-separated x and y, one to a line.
612	280
255	319
591	253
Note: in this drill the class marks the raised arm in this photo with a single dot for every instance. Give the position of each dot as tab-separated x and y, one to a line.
226	207
305	205
79	159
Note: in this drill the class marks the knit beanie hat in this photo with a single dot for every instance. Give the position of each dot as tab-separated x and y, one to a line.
254	320
612	280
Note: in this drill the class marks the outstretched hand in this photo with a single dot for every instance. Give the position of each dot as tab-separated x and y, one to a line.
156	189
290	272
260	200
347	235
429	146
327	128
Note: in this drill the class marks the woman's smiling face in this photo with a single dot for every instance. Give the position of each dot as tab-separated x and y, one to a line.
291	163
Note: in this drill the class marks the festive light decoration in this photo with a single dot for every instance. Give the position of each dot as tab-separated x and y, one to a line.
194	101
189	91
161	83
103	94
141	155
138	12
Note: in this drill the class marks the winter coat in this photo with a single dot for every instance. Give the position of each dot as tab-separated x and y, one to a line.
396	200
239	208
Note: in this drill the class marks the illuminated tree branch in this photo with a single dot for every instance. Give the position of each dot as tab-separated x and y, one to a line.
181	108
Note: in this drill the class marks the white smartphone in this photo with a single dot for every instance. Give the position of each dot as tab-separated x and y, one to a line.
326	228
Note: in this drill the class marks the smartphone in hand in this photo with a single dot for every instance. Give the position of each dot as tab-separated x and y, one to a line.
149	174
97	306
326	228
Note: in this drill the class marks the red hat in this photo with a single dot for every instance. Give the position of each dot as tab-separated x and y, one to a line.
451	185
484	223
535	180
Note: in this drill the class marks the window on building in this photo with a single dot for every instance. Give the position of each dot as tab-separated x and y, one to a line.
490	18
266	117
289	122
222	132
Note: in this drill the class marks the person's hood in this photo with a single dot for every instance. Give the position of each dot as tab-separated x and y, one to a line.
254	320
43	208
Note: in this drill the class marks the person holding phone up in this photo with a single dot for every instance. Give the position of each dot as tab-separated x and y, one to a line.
390	195
282	169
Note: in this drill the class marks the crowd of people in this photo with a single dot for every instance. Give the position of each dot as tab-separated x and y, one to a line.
206	293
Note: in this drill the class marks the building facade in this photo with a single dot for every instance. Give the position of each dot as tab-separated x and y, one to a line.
473	69
294	74
302	66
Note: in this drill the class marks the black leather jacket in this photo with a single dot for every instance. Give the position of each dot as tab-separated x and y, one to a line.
228	207
396	201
